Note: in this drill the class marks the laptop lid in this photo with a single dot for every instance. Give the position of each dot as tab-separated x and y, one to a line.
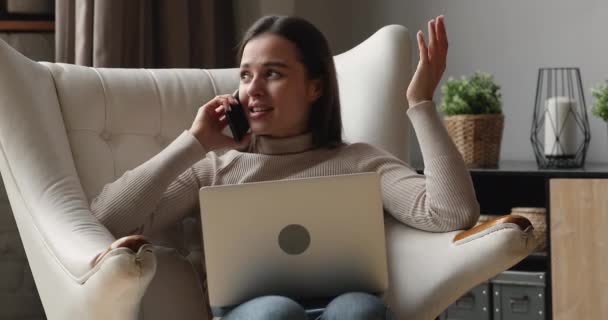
307	239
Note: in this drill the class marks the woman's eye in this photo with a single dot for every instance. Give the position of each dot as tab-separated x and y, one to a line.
245	76
273	74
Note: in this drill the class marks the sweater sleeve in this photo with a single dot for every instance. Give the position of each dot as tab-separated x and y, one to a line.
443	199
154	194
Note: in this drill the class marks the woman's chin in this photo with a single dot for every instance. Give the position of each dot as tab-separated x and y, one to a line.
260	130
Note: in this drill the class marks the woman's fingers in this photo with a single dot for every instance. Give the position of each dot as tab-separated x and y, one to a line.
226	104
432	38
210	121
222	104
442	37
432	63
438	42
214	113
432	35
424	52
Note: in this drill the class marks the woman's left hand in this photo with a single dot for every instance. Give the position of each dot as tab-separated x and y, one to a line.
432	63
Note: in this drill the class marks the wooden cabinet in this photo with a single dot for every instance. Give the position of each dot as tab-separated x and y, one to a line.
576	259
579	248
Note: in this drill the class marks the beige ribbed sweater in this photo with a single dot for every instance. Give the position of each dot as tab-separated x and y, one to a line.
164	189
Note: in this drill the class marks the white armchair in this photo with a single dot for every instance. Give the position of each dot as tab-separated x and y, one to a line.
67	130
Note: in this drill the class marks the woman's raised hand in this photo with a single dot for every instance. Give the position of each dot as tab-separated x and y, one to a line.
432	62
209	122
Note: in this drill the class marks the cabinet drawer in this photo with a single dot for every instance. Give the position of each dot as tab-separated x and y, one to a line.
519	295
474	305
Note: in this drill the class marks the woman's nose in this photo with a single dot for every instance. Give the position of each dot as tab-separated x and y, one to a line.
256	87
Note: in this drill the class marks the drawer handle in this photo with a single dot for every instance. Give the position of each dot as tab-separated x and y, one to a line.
520	305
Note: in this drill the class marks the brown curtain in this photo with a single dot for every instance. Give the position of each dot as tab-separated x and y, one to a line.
145	33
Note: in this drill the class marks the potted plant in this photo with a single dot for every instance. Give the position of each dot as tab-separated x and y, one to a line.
474	118
600	108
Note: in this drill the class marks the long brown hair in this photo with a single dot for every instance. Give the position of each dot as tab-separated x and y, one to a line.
324	119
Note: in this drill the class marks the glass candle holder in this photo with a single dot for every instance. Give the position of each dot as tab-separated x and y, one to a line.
560	127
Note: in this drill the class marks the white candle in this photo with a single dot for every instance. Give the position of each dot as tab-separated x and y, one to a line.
560	123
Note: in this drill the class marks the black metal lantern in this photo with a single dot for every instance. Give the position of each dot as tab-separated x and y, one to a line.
560	127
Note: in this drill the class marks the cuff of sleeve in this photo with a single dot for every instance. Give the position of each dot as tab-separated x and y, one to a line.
182	153
420	104
432	135
193	142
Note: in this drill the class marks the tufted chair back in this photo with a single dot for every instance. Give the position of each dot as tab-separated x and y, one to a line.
116	119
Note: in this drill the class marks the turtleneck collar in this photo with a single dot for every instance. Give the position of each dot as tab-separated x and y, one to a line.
277	146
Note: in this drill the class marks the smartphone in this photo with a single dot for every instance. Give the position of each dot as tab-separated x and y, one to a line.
237	121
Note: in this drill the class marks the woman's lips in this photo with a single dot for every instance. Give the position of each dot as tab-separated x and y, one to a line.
256	113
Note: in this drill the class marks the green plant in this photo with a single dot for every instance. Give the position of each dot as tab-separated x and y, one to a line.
477	95
600	108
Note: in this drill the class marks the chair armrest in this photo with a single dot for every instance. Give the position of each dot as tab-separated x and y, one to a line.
132	242
155	274
429	271
111	289
115	287
503	221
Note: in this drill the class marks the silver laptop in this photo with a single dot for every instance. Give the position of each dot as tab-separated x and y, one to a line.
309	239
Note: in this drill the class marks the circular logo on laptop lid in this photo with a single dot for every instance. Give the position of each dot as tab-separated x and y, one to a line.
294	239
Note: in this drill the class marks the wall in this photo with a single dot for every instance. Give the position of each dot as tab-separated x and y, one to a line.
510	39
248	11
344	23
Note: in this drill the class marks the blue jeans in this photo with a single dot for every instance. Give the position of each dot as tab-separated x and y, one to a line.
351	306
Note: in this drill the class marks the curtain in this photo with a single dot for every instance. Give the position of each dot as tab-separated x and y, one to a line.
145	33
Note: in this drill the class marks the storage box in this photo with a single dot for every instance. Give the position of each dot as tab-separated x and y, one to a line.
518	295
474	305
511	295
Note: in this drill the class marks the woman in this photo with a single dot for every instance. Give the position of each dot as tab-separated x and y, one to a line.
288	88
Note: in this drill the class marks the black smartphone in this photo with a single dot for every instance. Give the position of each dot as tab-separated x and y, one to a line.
237	120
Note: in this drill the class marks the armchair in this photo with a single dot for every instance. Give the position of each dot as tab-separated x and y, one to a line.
67	130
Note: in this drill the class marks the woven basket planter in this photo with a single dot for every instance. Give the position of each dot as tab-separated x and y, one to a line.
538	218
477	137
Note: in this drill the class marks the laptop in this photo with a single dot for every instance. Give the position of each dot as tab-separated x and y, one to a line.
309	239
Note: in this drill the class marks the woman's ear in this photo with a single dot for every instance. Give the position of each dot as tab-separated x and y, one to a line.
315	90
